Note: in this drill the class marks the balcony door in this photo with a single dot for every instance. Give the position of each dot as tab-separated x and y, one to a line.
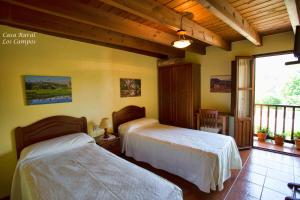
242	100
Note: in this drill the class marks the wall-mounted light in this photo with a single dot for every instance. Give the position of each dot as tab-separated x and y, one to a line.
182	42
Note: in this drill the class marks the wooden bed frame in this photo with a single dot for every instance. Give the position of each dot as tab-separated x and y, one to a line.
48	128
126	114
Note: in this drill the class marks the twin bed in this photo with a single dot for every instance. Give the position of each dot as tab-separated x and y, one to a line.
203	158
59	159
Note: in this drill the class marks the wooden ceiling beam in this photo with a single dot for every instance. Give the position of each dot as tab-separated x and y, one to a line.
224	11
154	11
25	18
77	11
294	12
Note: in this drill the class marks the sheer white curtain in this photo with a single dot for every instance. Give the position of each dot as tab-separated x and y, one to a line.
244	82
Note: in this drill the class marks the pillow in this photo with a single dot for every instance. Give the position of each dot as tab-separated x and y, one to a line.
134	124
55	145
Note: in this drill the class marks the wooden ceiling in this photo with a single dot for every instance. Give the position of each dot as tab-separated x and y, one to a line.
149	26
266	16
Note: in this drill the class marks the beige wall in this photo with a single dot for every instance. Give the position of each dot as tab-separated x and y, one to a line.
218	62
95	72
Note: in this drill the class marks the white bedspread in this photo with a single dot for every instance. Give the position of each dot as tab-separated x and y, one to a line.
88	172
203	158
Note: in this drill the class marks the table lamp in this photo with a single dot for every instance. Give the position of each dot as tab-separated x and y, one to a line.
105	125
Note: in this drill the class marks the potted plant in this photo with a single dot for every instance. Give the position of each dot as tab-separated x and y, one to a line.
262	134
279	139
297	140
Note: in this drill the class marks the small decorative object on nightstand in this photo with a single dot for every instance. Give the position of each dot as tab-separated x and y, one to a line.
112	143
105	125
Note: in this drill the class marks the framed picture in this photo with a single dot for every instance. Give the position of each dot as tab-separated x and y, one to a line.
47	89
220	83
130	87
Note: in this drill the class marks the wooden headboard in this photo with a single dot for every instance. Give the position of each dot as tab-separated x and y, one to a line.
126	114
48	128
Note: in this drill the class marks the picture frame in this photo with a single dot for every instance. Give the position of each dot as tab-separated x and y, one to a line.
130	87
47	89
220	84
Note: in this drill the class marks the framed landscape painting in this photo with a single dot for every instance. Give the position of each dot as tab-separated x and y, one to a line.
130	87
221	83
47	89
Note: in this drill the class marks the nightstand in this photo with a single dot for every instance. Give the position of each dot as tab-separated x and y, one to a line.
112	144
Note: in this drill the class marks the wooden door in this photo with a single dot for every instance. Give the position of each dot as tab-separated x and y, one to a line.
183	96
243	73
165	82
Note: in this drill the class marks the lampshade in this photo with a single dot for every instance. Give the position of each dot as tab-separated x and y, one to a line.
104	123
181	43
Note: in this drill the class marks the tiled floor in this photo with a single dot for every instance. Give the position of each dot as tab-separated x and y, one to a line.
270	144
265	176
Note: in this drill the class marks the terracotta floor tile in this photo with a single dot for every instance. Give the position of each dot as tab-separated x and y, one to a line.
297	171
268	194
297	179
279	175
239	196
283	159
297	162
282	167
260	162
277	185
256	168
252	177
246	188
279	170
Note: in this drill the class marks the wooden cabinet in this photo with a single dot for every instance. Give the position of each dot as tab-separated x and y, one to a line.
179	94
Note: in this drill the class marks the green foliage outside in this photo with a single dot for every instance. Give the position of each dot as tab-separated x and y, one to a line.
289	95
271	100
281	134
292	91
264	130
297	135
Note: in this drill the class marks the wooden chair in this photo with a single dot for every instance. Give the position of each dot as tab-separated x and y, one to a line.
207	120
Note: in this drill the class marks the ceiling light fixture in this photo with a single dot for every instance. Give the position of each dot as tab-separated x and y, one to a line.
182	42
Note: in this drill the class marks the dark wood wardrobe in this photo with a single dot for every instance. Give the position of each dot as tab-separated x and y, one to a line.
179	94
